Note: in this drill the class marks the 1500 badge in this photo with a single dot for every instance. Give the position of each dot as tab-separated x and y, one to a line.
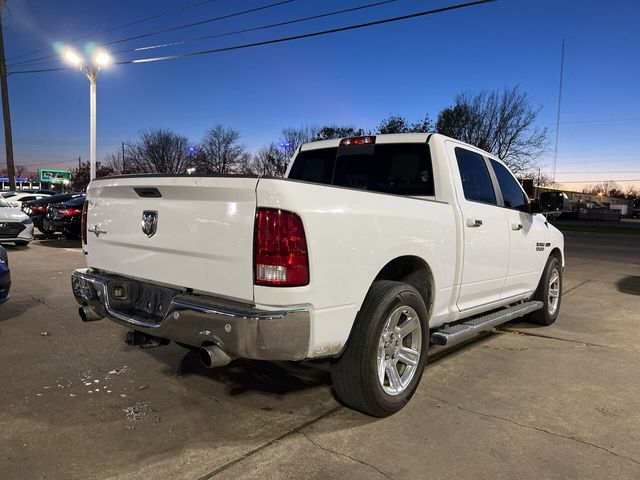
541	245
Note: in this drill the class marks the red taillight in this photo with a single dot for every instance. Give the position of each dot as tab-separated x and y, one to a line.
67	212
369	139
280	249
85	207
39	209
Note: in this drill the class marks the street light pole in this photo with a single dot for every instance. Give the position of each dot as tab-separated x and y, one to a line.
92	75
100	59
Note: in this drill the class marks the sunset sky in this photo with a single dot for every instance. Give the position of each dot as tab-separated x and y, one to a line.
412	67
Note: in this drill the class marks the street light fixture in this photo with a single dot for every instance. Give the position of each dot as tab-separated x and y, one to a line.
100	59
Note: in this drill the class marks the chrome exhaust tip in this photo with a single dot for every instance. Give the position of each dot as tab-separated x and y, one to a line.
213	356
88	314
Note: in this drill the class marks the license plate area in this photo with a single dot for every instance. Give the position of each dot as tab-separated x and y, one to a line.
139	300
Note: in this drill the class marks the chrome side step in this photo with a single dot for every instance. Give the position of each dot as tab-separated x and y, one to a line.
450	335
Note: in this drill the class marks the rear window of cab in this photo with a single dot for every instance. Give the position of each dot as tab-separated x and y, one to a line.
395	168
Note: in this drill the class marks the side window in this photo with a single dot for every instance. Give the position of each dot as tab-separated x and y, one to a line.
314	165
476	181
512	194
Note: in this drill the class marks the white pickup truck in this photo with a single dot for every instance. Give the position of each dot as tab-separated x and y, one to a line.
371	249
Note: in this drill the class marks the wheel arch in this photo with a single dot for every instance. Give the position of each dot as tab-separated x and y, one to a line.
556	252
414	271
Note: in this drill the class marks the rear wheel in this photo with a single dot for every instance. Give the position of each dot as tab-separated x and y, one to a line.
383	362
549	292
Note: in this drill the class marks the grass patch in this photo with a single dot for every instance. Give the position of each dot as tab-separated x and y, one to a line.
598	229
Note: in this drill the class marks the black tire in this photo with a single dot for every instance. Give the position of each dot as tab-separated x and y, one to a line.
547	315
355	373
21	243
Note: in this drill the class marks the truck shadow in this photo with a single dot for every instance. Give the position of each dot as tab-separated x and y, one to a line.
272	378
629	284
243	376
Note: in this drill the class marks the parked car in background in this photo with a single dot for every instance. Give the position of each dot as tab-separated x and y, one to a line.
36	209
5	276
15	226
65	217
19	198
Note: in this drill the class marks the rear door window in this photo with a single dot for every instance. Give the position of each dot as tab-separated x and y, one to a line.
476	182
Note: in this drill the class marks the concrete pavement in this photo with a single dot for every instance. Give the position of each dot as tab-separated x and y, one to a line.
525	402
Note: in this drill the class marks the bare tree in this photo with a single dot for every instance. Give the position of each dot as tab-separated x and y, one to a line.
329	132
607	188
399	124
632	192
114	162
80	176
500	122
270	161
546	181
158	151
293	137
220	151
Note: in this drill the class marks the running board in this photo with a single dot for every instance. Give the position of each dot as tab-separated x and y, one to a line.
450	335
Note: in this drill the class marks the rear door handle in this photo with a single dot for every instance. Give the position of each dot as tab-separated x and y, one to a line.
472	222
516	226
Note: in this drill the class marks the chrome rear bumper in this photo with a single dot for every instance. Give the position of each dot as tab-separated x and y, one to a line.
240	330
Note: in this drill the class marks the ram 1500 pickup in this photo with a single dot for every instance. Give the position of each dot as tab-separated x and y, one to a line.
369	251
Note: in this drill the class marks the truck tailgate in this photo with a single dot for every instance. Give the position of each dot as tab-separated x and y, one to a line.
203	239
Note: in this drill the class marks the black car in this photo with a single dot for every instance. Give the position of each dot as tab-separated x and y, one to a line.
5	276
37	209
65	217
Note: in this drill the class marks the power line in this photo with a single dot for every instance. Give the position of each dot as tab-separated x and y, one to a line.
201	22
226	34
119	27
310	35
284	39
173	29
45	163
261	27
44	143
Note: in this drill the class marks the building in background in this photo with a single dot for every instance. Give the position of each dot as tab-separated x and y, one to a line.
587	206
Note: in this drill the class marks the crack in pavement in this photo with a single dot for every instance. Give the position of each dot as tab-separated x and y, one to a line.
273	441
550	337
33	297
532	427
345	455
576	286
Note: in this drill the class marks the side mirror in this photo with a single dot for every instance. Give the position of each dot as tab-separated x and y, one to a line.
552	202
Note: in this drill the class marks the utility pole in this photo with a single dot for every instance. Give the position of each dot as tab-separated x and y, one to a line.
79	163
555	150
124	167
6	114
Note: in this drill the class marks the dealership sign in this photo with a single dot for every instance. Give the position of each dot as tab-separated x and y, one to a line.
55	176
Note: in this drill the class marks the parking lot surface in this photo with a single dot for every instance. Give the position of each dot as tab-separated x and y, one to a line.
560	402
